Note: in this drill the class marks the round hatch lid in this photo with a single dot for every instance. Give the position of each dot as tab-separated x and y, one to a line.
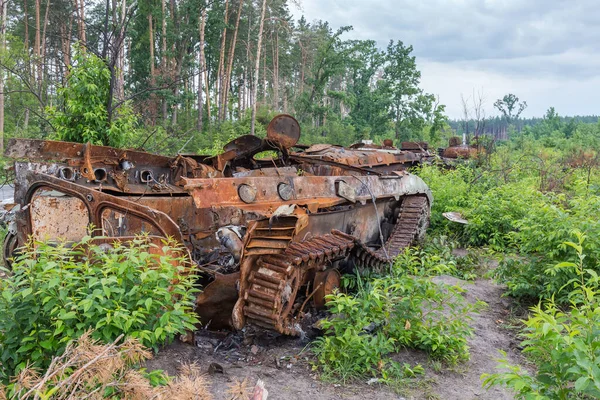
284	130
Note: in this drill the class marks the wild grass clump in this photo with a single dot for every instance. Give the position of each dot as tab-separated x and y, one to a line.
90	369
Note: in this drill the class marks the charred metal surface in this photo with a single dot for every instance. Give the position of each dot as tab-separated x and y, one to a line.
457	150
269	237
284	130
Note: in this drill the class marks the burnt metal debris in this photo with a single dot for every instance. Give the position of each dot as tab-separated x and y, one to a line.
270	237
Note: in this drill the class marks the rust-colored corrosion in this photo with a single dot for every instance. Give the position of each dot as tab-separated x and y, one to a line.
268	237
457	150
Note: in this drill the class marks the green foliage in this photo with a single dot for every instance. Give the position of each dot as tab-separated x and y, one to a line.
510	107
564	344
56	293
334	131
387	314
85	115
525	202
435	257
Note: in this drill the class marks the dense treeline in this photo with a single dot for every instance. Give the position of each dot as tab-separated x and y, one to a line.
181	70
499	127
189	74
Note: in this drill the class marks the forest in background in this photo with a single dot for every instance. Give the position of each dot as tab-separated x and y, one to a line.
175	73
188	75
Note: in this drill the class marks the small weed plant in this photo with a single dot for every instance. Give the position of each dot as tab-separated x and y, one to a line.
565	345
56	293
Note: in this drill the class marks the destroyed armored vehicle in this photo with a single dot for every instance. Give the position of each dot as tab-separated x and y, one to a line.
270	237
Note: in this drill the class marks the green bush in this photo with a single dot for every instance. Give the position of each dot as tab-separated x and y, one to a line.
386	315
565	345
84	116
537	237
435	258
56	293
508	213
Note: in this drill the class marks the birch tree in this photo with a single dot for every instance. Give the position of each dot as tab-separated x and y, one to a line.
257	66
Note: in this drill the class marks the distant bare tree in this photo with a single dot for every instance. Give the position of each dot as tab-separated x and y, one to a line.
466	117
478	100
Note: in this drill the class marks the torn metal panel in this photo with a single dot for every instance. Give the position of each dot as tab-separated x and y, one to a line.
57	216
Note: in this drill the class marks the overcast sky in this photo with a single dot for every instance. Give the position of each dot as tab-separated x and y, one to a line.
547	52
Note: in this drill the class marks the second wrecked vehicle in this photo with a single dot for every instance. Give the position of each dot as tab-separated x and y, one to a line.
270	236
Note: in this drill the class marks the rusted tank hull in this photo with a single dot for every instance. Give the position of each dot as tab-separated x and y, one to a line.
268	238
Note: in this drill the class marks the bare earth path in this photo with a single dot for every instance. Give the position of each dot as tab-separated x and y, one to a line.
284	363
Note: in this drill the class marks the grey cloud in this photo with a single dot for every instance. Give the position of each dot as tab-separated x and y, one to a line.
547	51
443	30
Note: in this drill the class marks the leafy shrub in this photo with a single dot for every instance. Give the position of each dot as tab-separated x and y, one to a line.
388	314
436	258
496	213
538	240
84	116
56	293
564	345
451	192
507	212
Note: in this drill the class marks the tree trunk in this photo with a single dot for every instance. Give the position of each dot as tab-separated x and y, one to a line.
276	72
221	64
3	17
120	90
240	92
264	80
257	66
153	105
302	67
151	34
36	43
25	120
26	41
247	77
207	91
79	4
65	33
231	55
201	68
163	64
43	49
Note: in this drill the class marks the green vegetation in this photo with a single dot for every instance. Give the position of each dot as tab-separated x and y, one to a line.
526	202
404	308
388	314
56	293
181	77
177	78
84	116
564	345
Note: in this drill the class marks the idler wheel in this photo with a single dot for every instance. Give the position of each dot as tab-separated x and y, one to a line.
325	283
9	249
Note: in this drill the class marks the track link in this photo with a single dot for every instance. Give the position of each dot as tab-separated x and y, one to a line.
275	279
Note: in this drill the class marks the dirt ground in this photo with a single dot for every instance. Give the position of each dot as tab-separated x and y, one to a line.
284	363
